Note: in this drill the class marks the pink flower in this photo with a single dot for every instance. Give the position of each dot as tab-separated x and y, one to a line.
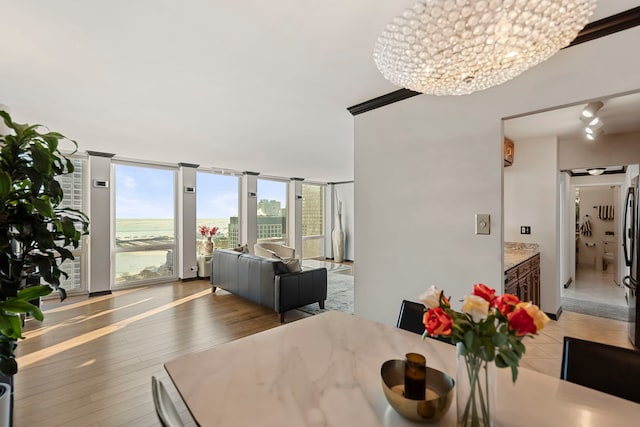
208	231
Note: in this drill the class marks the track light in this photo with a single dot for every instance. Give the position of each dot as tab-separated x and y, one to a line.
596	171
595	127
590	121
591	109
593	133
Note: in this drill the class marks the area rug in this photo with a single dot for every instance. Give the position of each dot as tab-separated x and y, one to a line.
339	295
330	266
595	309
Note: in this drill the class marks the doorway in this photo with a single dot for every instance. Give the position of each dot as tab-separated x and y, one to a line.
596	227
547	146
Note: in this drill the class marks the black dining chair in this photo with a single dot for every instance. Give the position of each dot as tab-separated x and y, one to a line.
410	319
165	409
610	369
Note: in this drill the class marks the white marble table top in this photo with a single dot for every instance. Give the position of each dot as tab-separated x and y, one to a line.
325	371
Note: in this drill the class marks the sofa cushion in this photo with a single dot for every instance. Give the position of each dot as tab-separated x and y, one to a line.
292	264
242	249
280	268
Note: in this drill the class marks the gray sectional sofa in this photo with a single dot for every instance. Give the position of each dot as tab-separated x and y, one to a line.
267	281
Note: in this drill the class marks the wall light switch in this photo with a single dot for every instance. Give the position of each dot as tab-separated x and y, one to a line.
483	224
525	229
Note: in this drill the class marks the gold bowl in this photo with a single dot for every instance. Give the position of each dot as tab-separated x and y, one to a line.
439	393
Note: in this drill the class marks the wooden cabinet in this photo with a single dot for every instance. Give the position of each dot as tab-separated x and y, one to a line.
523	280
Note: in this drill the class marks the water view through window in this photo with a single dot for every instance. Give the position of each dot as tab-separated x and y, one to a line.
144	223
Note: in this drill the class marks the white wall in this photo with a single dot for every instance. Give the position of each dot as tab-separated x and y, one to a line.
186	239
345	195
567	230
99	239
442	163
608	150
530	198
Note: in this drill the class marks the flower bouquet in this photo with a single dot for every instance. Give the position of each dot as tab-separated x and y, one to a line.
488	329
208	232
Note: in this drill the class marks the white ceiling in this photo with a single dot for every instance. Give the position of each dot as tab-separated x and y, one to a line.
243	85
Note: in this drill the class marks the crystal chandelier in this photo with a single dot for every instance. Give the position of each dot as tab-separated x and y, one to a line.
456	47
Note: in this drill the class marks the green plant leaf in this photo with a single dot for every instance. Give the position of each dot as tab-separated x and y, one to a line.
33	292
41	159
6	327
5	184
52	141
500	363
514	373
13	305
43	206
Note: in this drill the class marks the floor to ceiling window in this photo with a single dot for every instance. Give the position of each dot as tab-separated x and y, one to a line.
73	187
217	206
144	224
272	211
312	221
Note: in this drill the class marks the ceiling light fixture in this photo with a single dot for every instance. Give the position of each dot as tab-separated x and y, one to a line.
592	134
456	47
596	171
591	109
591	128
590	121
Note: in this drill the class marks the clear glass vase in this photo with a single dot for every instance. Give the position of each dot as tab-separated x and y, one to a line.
475	389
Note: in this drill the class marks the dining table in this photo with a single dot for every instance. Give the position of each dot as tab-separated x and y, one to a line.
324	370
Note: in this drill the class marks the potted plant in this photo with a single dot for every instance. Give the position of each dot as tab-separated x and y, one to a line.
35	231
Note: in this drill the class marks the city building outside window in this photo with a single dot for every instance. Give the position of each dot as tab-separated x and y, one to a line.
272	211
73	187
312	221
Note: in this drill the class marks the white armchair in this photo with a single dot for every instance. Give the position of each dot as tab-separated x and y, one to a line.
273	250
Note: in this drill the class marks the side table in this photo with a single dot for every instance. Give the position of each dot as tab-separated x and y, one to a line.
204	265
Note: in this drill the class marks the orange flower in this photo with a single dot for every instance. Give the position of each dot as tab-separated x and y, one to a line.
484	292
437	322
506	303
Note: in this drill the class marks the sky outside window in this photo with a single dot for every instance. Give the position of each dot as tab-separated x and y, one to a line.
144	192
272	190
217	195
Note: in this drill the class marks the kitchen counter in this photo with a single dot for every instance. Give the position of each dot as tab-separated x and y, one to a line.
517	253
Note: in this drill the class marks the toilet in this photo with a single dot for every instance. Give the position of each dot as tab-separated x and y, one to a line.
608	255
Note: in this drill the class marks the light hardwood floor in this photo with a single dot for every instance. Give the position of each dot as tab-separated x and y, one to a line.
90	362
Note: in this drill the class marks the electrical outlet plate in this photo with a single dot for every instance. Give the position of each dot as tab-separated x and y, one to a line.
483	224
